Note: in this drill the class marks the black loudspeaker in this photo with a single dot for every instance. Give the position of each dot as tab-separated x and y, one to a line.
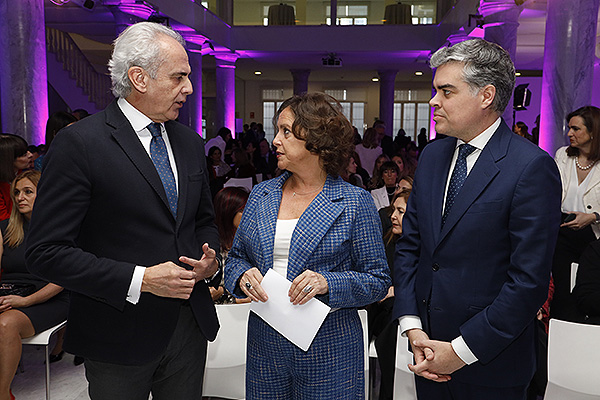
522	97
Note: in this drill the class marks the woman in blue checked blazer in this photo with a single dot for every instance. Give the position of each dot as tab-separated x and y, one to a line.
324	235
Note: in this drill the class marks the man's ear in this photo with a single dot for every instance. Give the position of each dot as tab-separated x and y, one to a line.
138	78
488	94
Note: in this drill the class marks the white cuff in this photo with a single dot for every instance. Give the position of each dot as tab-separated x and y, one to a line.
462	351
408	322
135	288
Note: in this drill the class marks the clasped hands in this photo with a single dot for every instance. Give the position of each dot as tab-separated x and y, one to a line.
434	360
170	280
306	286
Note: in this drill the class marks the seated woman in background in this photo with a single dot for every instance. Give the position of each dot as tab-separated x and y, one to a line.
14	157
375	181
349	174
229	205
40	304
217	169
242	167
386	185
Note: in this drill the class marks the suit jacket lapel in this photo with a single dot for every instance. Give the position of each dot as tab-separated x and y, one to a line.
125	136
313	225
482	173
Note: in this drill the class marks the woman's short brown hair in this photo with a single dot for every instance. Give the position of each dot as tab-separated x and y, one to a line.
320	122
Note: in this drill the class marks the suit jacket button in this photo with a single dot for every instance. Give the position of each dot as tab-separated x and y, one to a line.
435	267
589	207
424	301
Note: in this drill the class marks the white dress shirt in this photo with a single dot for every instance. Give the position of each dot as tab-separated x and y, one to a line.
408	322
139	122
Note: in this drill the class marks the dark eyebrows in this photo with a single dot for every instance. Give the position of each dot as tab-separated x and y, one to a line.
445	86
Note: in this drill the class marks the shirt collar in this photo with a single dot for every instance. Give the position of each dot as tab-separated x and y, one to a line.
481	140
136	118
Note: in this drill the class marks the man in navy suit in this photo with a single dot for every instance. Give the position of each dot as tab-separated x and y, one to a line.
473	265
124	220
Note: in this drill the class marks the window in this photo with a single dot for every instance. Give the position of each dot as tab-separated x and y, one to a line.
411	116
349	15
423	14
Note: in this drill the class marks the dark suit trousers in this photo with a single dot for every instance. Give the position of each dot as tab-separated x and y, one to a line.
453	390
175	374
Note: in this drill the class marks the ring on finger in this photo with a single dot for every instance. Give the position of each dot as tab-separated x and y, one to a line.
307	289
249	285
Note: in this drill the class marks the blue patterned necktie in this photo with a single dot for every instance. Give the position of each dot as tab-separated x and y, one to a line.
459	175
160	158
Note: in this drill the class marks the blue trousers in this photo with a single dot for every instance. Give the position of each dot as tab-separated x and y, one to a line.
332	368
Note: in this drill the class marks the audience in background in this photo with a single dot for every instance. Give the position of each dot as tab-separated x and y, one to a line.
375	181
522	130
221	140
55	123
28	304
389	176
80	114
14	157
369	150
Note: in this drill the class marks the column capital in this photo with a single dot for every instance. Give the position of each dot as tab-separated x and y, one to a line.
500	11
387	74
225	59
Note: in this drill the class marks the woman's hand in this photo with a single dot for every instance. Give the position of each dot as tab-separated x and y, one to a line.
581	220
250	284
12	301
306	286
389	294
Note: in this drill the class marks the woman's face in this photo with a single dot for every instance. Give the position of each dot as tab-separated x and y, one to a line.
237	219
24	162
399	162
403	184
216	157
397	215
389	177
379	162
351	166
25	192
578	134
291	151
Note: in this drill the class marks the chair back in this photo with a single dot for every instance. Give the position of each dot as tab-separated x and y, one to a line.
244	183
225	371
573	361
365	327
404	378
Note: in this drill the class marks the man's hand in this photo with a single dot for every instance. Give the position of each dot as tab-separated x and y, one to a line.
444	362
169	280
206	267
424	355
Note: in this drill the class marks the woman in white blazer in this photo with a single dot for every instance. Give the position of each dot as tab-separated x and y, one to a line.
579	165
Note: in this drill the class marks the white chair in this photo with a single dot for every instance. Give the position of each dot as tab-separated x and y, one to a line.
43	339
365	326
225	371
244	183
404	378
573	361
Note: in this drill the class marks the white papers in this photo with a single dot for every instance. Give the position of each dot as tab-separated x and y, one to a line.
298	323
574	267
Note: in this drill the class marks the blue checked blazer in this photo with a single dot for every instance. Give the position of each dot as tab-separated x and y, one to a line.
338	236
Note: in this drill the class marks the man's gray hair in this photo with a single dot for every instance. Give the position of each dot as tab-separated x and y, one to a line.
485	63
139	46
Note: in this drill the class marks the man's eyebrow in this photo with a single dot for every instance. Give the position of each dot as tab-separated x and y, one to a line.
445	86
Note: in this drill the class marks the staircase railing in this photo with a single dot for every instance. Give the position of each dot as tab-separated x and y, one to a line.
94	84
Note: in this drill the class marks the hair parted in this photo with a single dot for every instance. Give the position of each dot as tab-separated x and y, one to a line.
320	122
228	202
485	63
15	234
139	45
591	119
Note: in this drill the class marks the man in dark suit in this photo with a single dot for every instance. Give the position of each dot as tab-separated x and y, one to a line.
473	265
124	220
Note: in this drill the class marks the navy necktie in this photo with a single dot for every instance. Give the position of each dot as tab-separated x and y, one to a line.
459	175
160	158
